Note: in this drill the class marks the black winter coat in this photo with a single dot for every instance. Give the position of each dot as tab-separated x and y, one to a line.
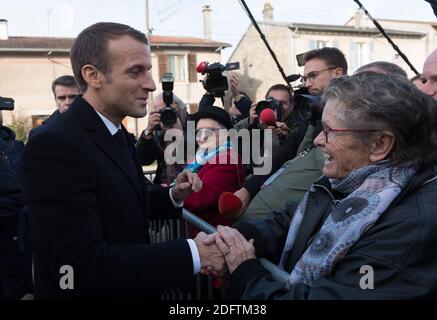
400	247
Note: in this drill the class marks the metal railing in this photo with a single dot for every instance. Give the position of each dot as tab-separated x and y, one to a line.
166	230
277	273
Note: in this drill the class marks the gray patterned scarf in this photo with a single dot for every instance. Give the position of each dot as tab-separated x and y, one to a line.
370	190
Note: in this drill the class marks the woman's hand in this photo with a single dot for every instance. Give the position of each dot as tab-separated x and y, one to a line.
235	248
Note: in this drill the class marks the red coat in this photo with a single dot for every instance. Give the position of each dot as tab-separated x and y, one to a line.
217	178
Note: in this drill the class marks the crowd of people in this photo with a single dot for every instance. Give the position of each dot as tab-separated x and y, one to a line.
352	183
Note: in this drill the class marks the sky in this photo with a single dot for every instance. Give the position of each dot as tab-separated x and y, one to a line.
66	18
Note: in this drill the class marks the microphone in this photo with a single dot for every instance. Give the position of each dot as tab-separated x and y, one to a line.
201	68
229	204
268	117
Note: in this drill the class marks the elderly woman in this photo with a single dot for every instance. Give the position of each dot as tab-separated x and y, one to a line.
217	164
370	222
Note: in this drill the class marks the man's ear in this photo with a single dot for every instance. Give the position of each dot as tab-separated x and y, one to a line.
92	76
338	72
381	146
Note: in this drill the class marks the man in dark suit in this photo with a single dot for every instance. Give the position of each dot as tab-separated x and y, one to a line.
87	196
64	90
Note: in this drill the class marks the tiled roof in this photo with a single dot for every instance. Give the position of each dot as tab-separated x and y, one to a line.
309	27
36	43
158	40
64	44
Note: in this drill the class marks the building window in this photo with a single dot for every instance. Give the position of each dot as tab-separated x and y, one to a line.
177	66
358	54
321	44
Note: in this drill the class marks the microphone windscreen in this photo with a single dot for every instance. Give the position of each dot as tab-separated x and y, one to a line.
229	204
202	67
268	117
293	77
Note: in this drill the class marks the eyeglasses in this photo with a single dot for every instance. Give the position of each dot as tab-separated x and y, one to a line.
204	133
313	75
71	97
327	130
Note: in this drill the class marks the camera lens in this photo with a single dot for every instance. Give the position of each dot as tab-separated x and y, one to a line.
263	105
168	117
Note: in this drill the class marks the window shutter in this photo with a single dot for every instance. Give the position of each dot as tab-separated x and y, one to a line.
162	65
192	65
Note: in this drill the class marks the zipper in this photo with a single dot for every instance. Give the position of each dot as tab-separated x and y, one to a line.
333	200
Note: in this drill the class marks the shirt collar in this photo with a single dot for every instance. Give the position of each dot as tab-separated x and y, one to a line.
111	127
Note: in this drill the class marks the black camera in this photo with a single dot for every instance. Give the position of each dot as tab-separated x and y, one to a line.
307	107
6	104
270	103
215	82
168	114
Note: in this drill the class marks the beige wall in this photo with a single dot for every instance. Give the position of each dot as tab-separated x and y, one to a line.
28	81
259	71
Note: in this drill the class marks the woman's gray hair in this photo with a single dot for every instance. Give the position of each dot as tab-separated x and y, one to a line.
392	103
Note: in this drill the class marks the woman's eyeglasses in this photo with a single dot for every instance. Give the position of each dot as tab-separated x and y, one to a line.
205	133
327	130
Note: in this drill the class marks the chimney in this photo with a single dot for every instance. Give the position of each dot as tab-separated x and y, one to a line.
206	10
358	19
4	29
268	11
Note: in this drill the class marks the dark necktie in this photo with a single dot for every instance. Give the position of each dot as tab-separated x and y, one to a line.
121	139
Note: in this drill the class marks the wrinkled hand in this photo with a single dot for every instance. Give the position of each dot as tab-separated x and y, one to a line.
234	247
211	258
185	184
281	130
154	121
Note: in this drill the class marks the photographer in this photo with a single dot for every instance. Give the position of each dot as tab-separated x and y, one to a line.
278	98
11	147
15	249
151	144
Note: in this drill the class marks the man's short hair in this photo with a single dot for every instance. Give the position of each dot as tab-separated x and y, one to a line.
91	47
333	57
65	81
282	87
384	66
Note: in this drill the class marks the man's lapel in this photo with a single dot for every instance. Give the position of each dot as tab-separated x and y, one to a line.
92	123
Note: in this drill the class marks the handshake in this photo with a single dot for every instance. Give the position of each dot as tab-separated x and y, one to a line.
223	250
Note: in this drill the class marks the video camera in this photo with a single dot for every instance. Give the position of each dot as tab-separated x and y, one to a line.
215	82
6	104
308	108
168	114
270	103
